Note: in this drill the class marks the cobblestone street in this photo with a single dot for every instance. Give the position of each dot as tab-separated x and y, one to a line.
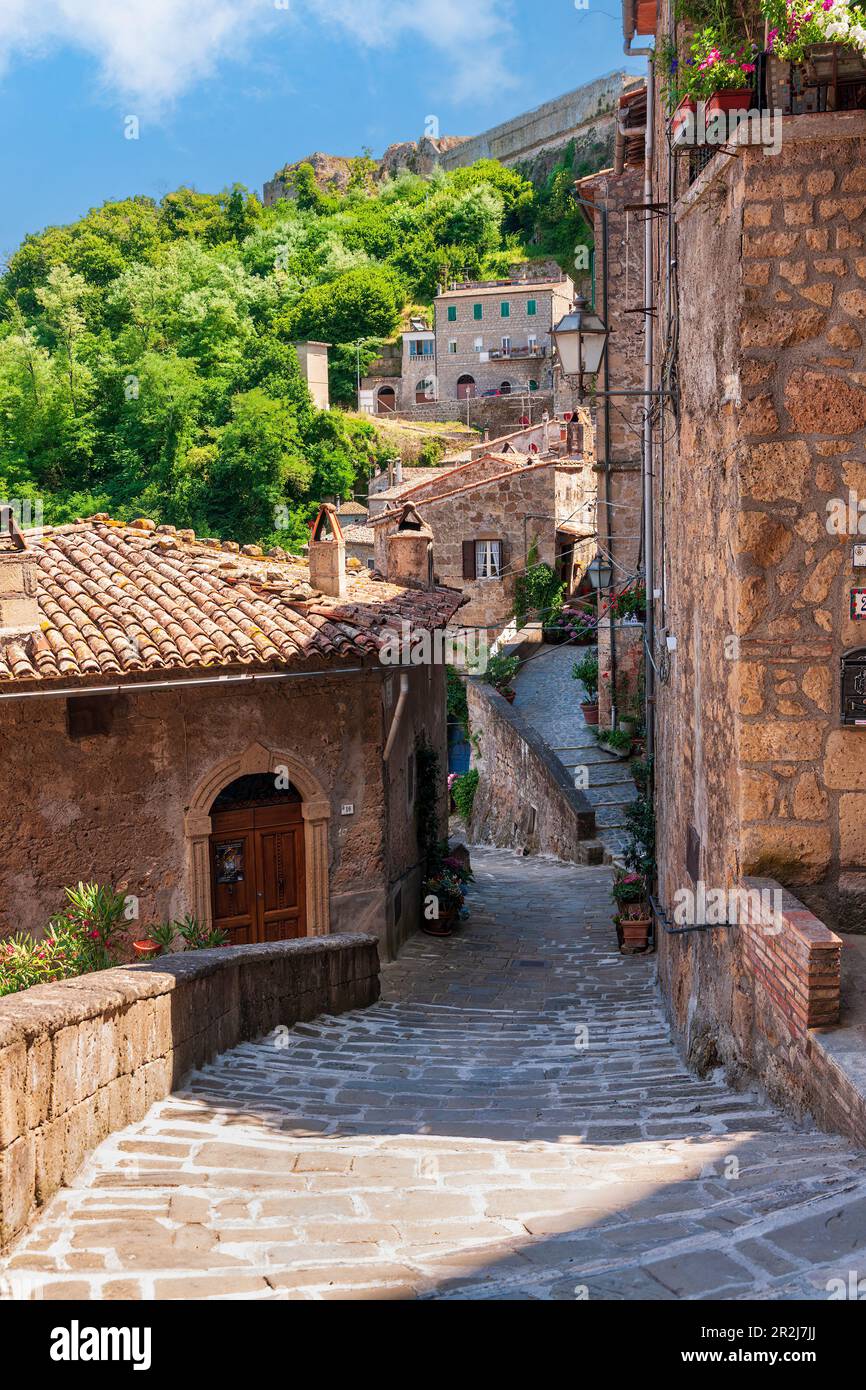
454	1142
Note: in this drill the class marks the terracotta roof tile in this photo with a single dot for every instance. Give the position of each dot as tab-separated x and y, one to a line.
123	601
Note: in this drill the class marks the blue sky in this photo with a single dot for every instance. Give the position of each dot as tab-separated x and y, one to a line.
230	90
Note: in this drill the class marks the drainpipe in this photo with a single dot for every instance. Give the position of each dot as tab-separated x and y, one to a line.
402	700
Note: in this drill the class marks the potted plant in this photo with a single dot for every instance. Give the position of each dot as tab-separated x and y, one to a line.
586	671
617	741
147	948
443	899
500	672
633	919
718	70
818	46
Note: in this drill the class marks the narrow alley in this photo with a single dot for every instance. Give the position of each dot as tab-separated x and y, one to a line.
510	1121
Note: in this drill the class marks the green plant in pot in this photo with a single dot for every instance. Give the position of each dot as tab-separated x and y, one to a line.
500	672
633	918
443	899
586	671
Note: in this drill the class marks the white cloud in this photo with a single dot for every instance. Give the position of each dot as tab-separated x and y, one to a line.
152	51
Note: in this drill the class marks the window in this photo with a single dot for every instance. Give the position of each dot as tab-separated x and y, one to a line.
478	311
506	346
421	347
452	346
505	309
533	343
479	344
532	308
452	313
488	559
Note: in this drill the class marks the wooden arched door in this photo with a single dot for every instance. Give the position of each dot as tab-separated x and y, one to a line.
258	872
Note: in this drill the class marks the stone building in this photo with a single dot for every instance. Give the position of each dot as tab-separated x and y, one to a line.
609	200
211	731
495	336
758	462
487	517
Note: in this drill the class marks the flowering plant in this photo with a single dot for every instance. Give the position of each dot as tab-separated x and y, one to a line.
629	888
795	24
712	65
447	889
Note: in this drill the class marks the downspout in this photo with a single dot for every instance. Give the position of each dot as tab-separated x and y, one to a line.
402	700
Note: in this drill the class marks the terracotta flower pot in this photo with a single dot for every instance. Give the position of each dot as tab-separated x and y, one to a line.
635	933
680	123
146	949
443	925
730	99
590	711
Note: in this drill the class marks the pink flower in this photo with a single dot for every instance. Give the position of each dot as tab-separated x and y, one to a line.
750	67
771	38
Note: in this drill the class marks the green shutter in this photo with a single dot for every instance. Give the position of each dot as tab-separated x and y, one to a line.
478	311
532	307
506	309
452	313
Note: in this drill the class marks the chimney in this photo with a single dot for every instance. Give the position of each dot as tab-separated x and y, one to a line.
410	551
398	471
327	553
19	609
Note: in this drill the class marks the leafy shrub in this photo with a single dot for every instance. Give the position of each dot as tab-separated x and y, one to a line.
537	592
586	671
617	739
501	671
463	791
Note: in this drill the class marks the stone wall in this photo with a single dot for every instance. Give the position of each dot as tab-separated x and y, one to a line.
618	419
82	1058
754	773
525	798
499	415
585	115
113	807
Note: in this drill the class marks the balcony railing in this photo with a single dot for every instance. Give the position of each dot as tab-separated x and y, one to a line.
503	354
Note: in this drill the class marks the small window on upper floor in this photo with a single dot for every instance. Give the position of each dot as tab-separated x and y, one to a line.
452	313
488	559
505	309
478	311
452	346
532	307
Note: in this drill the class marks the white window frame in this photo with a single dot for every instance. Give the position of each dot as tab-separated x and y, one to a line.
479	344
452	346
488	559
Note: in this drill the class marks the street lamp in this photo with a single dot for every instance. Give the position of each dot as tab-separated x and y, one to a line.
600	573
580	339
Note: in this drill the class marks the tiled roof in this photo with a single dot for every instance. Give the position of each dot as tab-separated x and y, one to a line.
358	535
351	509
123	601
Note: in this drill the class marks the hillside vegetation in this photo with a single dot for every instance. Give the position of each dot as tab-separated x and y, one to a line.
146	364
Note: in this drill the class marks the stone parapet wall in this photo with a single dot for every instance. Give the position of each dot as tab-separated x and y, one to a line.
84	1057
525	798
498	415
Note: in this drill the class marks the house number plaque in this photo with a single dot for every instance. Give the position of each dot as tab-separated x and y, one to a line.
858	605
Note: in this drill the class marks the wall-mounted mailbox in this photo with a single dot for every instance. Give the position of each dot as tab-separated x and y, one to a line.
854	687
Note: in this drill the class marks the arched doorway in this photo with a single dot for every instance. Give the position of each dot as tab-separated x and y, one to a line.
257	860
505	388
465	387
386	401
315	809
425	391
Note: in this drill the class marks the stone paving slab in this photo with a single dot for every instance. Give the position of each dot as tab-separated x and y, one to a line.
511	1121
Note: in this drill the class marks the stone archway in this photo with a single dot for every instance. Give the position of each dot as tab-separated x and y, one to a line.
316	811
